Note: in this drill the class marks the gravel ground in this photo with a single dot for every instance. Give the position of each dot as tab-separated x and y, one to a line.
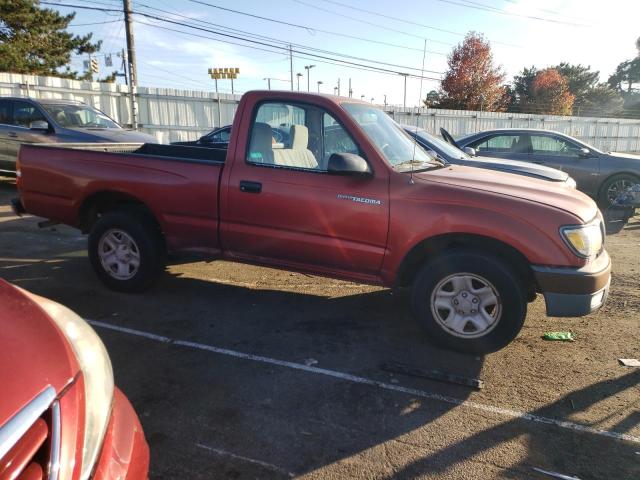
272	374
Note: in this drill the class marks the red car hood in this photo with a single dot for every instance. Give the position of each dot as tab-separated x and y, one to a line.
554	194
33	352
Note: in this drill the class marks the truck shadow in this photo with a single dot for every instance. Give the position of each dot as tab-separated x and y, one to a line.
302	422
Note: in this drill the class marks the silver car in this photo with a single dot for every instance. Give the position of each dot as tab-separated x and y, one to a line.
601	175
27	120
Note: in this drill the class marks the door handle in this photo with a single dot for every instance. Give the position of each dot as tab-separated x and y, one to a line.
250	187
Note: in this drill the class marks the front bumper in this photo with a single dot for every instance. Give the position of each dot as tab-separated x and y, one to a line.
125	453
574	292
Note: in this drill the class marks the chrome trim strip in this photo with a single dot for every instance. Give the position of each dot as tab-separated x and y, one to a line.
17	426
54	454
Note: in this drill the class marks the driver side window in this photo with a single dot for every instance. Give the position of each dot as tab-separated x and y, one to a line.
24	113
297	136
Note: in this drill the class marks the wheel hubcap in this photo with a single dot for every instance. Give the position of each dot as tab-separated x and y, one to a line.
466	305
617	188
119	254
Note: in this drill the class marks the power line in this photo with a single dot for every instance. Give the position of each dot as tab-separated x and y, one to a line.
304	27
300	55
383	27
314	55
389	17
488	8
93	23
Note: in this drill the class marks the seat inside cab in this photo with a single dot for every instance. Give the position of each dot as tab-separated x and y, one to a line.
296	154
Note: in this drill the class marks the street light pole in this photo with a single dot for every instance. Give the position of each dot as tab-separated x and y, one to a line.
298	75
308	69
268	82
404	102
319	83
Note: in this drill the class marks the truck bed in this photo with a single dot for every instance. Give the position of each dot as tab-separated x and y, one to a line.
65	181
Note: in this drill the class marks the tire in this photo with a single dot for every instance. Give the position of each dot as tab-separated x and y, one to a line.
120	240
482	281
612	186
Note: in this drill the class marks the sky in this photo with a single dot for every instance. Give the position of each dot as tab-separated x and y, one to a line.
522	33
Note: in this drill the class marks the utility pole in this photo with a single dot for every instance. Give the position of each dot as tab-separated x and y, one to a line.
268	79
298	75
291	68
404	102
131	55
350	91
338	87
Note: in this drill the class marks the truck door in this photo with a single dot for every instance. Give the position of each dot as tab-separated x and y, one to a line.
557	152
282	205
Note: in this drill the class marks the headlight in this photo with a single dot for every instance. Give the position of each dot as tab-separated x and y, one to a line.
584	240
98	377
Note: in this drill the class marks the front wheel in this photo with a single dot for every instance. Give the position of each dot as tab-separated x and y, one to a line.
613	187
126	251
469	301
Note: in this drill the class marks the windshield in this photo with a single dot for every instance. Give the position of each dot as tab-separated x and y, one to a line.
79	116
399	150
438	144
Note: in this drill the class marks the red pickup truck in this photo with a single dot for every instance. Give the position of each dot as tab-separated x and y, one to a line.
346	194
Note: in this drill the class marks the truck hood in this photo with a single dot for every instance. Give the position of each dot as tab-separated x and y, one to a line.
33	352
553	194
514	166
115	135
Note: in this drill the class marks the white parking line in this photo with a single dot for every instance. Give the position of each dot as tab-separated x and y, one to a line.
507	412
246	459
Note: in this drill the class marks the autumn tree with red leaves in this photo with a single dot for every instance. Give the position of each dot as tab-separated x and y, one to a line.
549	94
472	81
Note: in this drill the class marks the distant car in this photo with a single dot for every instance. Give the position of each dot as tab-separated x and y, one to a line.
60	414
601	175
219	138
452	154
28	120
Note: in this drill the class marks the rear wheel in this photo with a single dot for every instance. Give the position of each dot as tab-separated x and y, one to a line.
126	251
614	186
469	301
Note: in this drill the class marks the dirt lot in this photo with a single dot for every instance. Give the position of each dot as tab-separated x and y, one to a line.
218	360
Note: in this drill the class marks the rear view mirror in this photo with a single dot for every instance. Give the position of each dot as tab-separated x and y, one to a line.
584	152
348	164
39	125
469	151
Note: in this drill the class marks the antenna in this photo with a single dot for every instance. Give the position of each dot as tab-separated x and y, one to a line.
415	132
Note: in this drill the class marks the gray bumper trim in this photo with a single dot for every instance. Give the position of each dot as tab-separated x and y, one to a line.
574	305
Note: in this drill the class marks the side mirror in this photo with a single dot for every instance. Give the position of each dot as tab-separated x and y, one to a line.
584	153
348	164
469	151
39	125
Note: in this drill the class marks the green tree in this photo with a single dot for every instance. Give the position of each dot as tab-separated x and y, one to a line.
581	80
521	89
600	100
34	40
472	81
